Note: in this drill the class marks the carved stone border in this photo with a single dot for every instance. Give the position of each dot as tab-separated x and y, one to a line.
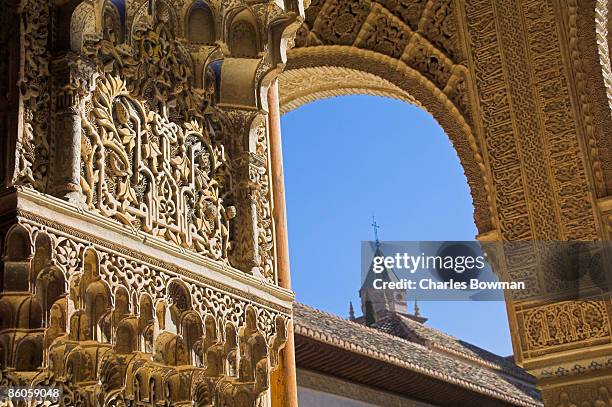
601	21
65	219
301	86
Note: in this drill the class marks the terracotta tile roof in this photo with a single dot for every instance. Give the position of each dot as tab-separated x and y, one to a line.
450	360
407	328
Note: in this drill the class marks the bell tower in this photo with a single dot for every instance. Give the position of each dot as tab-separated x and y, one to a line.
377	300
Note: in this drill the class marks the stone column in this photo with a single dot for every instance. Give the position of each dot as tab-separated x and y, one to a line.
284	382
72	77
245	255
247	167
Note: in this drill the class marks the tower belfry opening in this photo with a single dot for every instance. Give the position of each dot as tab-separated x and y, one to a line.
377	304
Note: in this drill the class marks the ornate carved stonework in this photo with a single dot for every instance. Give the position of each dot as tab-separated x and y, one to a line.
565	325
300	86
153	174
111	326
32	149
124	226
154	154
409	45
602	27
154	63
596	394
585	39
520	88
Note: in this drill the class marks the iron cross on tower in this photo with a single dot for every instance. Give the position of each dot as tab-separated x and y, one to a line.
376	226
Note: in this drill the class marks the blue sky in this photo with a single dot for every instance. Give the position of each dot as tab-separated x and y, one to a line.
352	157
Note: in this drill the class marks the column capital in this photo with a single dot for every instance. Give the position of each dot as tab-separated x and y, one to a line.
74	77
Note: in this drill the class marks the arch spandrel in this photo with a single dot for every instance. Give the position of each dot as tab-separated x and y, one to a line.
433	38
525	76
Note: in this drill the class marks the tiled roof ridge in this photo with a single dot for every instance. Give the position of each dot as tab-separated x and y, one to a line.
479	360
474	359
361	326
323	337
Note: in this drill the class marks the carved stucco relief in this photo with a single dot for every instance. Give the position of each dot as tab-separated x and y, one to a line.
32	155
438	56
301	86
154	175
597	394
128	126
522	70
138	328
155	153
602	23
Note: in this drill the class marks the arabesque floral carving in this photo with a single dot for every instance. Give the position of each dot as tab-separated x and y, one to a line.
154	175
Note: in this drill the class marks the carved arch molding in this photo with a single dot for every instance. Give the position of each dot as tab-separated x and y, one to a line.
522	89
